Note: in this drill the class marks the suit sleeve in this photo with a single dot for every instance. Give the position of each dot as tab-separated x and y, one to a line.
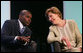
78	36
51	36
6	37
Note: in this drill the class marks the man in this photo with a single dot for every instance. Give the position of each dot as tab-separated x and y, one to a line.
16	36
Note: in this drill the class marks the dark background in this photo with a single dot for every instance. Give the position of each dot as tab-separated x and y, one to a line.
39	24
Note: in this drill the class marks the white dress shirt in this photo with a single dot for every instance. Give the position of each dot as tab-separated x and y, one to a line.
21	30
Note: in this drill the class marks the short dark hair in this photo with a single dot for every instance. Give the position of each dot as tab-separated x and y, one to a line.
24	11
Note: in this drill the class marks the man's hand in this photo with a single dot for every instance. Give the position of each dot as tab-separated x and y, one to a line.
24	38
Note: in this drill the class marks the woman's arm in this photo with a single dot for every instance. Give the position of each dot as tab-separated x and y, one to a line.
78	36
51	36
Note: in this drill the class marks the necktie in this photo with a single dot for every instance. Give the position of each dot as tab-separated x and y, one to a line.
22	30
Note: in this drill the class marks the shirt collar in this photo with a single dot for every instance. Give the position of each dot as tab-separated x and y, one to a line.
20	24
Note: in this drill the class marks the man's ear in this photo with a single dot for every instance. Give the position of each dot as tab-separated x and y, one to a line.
20	16
23	16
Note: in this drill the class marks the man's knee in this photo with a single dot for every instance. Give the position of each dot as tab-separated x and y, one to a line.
33	44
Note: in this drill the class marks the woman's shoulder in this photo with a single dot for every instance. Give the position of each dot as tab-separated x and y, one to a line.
52	27
71	21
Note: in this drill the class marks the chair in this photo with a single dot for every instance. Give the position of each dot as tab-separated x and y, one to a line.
55	47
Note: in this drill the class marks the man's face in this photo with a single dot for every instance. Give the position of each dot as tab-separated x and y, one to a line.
26	19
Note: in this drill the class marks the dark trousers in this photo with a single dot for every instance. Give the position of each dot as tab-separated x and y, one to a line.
28	48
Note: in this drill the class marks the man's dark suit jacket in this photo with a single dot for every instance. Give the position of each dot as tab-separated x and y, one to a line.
9	31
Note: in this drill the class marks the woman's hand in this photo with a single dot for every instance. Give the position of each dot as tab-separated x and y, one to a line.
67	42
80	49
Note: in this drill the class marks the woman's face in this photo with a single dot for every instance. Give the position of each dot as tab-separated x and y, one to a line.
53	18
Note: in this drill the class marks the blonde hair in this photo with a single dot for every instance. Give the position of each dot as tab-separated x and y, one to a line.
54	10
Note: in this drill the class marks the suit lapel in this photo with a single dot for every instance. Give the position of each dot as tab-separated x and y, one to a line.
18	27
26	31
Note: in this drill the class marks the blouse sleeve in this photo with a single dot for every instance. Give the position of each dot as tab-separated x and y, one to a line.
51	36
78	36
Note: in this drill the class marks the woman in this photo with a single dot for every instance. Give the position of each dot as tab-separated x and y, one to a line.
64	31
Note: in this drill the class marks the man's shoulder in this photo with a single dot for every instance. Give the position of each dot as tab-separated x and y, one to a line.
10	21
